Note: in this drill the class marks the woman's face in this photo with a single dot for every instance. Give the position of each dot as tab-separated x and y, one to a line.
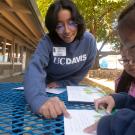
66	28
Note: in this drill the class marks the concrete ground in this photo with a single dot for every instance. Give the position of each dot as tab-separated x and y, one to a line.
18	78
107	86
105	82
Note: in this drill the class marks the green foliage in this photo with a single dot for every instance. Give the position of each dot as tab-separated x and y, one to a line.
101	17
43	6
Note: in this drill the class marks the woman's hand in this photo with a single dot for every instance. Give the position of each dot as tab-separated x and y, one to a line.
53	108
53	85
105	102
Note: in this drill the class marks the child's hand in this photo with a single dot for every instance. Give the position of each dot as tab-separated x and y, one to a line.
91	128
106	102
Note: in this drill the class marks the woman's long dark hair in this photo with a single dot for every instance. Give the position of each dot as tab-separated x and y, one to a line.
51	19
124	82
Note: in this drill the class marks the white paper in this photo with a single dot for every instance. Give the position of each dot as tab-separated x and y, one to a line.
19	88
80	119
49	90
55	90
83	93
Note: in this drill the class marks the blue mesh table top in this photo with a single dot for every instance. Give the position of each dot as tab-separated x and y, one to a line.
16	117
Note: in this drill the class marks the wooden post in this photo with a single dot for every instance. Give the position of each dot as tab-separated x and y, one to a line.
4	49
17	51
12	54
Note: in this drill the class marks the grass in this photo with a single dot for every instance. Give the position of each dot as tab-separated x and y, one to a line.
94	84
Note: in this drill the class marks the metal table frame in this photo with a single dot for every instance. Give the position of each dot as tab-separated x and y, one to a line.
16	117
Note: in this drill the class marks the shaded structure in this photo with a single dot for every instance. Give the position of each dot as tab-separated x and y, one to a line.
21	27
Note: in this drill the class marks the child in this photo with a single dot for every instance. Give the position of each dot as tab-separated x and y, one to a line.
123	121
126	82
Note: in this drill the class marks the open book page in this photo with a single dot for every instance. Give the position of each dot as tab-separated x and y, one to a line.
84	93
48	90
55	90
80	119
19	88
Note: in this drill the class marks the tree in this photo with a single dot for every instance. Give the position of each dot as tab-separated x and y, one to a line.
101	20
43	6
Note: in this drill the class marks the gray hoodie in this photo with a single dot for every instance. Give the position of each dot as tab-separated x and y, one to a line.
66	64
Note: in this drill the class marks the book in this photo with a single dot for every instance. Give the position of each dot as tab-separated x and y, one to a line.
84	93
79	120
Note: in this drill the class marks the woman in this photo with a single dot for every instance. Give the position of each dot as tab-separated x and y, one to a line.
123	121
63	57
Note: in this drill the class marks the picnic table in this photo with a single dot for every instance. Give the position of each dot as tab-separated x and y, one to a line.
16	117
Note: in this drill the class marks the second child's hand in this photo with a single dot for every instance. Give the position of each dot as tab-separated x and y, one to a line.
106	102
93	127
103	111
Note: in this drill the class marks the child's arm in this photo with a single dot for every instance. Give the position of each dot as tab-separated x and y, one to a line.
123	100
120	123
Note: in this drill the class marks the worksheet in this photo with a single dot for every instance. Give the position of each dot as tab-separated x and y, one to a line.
84	93
55	90
48	90
19	88
79	120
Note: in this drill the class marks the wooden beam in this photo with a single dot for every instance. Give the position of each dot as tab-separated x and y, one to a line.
8	35
15	7
5	33
16	32
19	25
27	20
4	7
10	2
